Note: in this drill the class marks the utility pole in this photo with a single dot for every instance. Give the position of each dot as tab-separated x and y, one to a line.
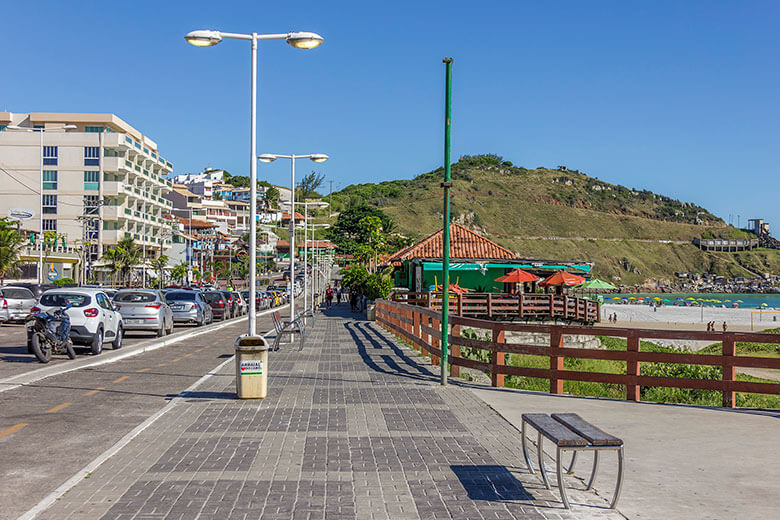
447	185
330	200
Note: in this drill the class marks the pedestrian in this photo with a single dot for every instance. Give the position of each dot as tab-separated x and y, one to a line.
338	295
328	297
363	301
353	297
724	326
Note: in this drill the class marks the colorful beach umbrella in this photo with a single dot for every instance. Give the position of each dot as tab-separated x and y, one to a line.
517	276
562	278
595	283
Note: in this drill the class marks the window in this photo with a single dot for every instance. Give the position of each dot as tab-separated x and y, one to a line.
50	155
49	204
91	180
94	129
49	179
91	156
91	204
50	224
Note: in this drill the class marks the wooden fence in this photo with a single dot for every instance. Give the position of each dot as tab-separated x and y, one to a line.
524	306
422	326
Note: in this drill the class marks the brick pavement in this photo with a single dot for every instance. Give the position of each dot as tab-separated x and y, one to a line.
354	426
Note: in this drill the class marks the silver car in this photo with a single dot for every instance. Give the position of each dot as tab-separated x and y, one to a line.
189	307
144	309
18	301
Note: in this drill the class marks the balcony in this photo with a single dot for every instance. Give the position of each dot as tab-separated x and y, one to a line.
112	188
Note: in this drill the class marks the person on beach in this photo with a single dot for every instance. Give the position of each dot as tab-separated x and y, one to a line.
724	326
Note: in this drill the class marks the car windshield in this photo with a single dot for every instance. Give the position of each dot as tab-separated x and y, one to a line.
212	297
17	293
180	296
62	299
135	297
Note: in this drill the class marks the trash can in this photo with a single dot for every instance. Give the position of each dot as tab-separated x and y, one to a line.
251	367
371	312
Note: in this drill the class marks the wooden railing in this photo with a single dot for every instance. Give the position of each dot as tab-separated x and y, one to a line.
524	305
422	327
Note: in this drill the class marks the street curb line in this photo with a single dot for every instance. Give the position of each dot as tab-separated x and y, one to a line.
110	452
36	375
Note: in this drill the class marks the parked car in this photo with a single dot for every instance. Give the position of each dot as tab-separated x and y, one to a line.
17	302
144	309
36	288
241	304
94	319
231	301
220	307
189	307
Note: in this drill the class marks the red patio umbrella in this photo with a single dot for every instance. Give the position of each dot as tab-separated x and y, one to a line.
562	278
517	276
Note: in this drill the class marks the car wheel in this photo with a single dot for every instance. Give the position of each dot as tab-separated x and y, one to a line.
96	347
170	330
118	339
161	331
201	320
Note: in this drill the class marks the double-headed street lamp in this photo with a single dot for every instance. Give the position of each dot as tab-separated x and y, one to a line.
40	208
299	40
316	204
271	157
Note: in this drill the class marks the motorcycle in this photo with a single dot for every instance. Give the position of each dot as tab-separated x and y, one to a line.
50	334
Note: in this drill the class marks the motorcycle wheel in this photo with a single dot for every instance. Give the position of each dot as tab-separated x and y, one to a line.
69	349
40	348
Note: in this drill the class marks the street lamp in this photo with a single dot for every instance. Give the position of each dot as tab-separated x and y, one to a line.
41	131
299	40
317	204
271	157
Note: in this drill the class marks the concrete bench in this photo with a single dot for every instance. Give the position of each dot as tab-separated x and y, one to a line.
569	432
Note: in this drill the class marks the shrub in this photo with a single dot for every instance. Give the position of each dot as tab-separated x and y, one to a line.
62	282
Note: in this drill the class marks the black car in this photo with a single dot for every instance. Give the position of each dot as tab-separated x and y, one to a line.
36	288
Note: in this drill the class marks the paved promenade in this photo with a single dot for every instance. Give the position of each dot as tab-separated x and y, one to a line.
354	426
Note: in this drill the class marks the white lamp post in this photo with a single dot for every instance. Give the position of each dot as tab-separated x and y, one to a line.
305	244
299	40
40	207
271	157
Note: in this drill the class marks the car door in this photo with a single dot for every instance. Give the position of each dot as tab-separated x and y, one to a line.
110	319
167	312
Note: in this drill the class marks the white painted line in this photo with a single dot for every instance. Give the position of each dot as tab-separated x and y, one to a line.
124	441
110	357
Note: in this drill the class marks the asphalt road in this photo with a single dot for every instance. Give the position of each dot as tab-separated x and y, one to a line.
51	429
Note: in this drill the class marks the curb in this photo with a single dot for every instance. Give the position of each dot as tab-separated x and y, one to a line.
113	356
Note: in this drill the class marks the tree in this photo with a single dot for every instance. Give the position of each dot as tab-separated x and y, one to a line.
159	266
122	258
307	186
11	244
348	233
179	272
272	197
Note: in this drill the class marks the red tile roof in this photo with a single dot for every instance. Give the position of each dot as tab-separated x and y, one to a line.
286	216
464	245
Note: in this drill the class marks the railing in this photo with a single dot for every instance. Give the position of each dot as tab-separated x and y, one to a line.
524	306
422	327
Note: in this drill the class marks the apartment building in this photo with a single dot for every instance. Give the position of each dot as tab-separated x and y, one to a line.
102	180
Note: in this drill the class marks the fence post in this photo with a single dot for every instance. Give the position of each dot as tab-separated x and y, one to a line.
497	358
460	304
425	320
552	305
566	306
556	361
632	366
455	351
520	305
435	343
729	350
416	327
490	304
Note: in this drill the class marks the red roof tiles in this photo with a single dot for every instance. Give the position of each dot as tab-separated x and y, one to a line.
464	245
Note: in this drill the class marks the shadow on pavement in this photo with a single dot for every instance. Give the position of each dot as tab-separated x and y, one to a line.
492	483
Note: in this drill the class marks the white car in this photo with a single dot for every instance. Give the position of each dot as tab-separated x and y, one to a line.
94	320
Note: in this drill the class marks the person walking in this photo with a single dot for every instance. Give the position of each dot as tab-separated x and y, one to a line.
338	295
724	326
353	298
328	297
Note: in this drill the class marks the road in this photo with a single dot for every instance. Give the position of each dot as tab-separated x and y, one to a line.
52	428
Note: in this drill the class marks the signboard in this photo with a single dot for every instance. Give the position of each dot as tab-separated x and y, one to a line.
251	367
53	274
20	214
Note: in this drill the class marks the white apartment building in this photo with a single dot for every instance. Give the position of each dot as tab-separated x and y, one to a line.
102	181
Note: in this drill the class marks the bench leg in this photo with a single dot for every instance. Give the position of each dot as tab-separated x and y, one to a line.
619	485
573	460
595	469
559	471
525	451
540	453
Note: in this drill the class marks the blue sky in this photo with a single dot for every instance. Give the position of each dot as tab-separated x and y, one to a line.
677	97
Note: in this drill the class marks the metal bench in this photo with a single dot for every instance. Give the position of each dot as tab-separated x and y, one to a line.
288	327
569	432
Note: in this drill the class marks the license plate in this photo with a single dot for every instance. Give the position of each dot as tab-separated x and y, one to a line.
135	322
177	307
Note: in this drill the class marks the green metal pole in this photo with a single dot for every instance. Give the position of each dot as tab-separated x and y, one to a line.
447	185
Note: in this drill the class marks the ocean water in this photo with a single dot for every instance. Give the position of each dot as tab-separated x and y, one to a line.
749	301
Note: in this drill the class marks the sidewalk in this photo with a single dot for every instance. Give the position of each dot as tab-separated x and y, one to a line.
353	427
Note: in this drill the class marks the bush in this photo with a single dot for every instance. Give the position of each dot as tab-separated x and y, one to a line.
62	282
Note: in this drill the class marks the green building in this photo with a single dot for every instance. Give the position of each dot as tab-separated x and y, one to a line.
475	262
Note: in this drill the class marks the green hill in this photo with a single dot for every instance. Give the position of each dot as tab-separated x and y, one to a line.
632	235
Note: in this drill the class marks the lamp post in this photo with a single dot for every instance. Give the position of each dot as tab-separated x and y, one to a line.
271	157
40	207
299	40
306	205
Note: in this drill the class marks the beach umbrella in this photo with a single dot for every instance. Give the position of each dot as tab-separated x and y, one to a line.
517	276
764	305
631	298
666	300
691	299
595	283
739	301
616	297
562	278
656	298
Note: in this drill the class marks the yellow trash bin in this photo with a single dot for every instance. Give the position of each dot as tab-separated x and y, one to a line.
251	367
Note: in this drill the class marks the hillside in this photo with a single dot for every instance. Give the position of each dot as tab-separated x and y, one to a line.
545	213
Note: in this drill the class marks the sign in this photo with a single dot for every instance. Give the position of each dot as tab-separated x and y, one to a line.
53	274
20	214
252	367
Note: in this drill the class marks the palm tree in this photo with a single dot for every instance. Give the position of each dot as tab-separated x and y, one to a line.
11	244
179	272
159	266
122	258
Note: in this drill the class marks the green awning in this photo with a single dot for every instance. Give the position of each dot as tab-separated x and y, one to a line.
472	266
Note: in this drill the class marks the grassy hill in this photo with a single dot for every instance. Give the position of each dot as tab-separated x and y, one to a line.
545	213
